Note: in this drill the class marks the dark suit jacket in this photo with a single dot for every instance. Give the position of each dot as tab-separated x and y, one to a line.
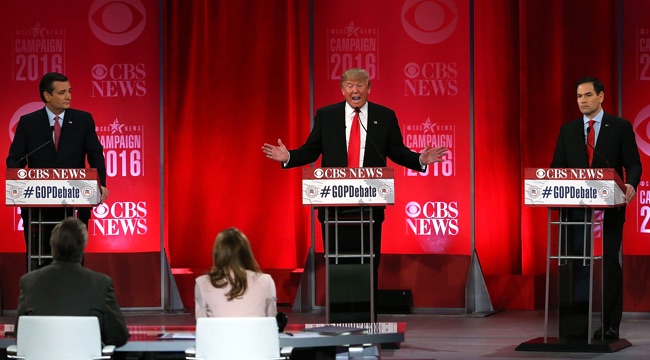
327	138
615	148
68	289
78	140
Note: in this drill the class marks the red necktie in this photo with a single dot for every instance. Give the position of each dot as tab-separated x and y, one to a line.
57	132
354	144
591	140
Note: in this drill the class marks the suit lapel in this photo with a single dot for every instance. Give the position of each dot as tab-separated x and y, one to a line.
43	127
581	142
372	124
68	121
603	133
340	130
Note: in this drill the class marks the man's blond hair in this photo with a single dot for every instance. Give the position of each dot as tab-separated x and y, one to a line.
355	74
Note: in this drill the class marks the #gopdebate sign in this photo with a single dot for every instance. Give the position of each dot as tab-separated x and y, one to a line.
52	187
348	186
573	187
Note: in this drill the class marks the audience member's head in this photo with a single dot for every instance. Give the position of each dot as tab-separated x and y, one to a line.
231	257
68	240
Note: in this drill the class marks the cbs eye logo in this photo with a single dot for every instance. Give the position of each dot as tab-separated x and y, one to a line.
642	129
413	209
429	21
117	22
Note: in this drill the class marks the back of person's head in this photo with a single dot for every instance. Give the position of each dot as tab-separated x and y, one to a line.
47	83
355	74
68	240
231	257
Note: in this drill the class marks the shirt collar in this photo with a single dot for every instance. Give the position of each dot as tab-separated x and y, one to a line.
349	109
598	117
50	115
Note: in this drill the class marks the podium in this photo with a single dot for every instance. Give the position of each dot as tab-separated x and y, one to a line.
348	196
574	198
41	192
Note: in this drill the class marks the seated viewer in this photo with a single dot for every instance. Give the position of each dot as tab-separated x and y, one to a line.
235	286
65	288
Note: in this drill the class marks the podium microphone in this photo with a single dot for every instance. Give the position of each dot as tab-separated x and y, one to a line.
594	149
383	159
17	164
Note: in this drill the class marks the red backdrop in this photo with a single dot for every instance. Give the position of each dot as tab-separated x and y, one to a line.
527	57
237	74
110	51
417	56
118	82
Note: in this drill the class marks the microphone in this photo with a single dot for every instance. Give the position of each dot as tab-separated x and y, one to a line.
594	149
17	164
383	159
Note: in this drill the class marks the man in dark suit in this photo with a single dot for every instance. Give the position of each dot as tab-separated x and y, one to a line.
380	138
614	147
66	288
57	136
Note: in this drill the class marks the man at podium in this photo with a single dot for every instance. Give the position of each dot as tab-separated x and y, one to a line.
57	136
601	140
376	135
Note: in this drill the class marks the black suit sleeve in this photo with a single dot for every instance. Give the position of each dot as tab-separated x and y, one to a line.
559	155
631	158
113	327
95	151
19	147
313	146
396	150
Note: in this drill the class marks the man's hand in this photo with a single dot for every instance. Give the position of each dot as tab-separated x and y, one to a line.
630	193
430	155
104	194
277	153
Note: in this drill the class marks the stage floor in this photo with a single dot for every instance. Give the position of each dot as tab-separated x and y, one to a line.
455	336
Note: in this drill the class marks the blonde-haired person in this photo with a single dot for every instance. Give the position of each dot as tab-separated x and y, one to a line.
235	286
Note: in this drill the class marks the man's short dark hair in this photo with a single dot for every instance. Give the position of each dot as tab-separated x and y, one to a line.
598	85
68	240
47	83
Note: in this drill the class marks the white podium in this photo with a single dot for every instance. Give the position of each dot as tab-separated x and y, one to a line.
574	255
351	193
36	189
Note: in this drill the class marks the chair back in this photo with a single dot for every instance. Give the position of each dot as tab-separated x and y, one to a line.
58	338
237	338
